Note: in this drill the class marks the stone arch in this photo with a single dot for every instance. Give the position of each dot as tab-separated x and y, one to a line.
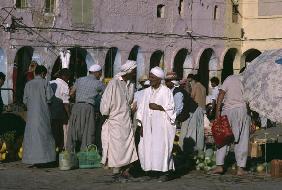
208	65
137	55
179	61
249	56
157	59
228	63
22	61
112	62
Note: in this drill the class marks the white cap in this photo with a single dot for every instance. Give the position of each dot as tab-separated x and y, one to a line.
95	68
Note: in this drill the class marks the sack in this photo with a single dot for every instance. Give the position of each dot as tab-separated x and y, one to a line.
222	132
67	160
90	158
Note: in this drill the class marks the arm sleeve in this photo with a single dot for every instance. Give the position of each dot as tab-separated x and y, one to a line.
178	101
65	95
25	97
49	92
106	101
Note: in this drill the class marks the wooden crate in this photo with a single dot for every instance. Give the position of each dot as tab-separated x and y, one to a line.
276	168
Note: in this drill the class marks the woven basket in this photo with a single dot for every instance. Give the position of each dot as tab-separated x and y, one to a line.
89	158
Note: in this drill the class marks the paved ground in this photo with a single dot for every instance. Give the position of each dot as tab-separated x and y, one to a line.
17	176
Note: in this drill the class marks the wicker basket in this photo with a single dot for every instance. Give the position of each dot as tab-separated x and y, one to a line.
89	158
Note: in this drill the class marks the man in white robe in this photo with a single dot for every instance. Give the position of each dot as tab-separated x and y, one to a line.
119	149
157	117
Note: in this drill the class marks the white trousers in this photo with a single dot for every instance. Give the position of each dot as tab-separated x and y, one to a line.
240	122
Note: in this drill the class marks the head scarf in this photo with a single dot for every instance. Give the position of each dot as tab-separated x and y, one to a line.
158	72
127	67
176	83
171	76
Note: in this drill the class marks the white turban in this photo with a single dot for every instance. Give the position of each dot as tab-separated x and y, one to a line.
158	72
95	68
127	67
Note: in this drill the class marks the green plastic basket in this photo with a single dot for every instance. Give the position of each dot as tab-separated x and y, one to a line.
89	158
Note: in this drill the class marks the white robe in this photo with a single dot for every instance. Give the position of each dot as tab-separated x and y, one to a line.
117	133
155	147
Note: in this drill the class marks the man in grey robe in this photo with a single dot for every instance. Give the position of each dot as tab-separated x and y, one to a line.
38	144
81	132
119	149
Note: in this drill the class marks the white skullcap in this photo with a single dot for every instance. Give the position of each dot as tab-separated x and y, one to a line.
176	83
158	72
147	83
95	68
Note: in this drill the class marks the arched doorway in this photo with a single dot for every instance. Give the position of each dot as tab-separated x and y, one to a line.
112	62
228	63
249	56
136	55
179	61
157	59
77	65
22	60
207	62
3	68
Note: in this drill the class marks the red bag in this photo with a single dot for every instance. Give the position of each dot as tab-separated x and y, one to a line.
222	132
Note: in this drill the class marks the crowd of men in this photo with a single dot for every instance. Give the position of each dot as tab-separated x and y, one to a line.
133	125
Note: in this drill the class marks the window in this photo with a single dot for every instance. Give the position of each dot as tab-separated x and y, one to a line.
215	13
82	12
181	8
50	6
235	13
160	11
21	4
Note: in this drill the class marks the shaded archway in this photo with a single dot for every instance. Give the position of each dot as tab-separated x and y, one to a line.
22	60
250	55
136	55
228	66
207	62
77	65
112	62
157	59
178	63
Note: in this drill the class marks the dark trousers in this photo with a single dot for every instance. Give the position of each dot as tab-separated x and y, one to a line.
58	132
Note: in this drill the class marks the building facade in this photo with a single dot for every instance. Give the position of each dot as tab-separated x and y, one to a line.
208	37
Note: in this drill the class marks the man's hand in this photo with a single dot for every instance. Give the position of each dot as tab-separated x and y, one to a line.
154	106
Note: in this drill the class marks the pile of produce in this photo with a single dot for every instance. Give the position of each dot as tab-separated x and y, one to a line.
260	167
10	147
205	160
3	152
